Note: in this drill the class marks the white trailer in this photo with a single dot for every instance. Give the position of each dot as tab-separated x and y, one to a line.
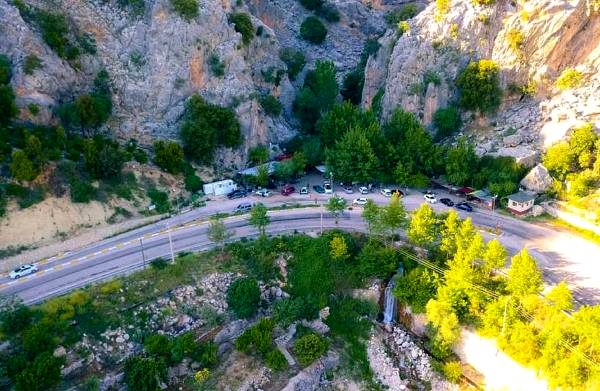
219	188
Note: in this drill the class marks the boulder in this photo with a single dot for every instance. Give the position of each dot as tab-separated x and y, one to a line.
538	179
60	351
513	140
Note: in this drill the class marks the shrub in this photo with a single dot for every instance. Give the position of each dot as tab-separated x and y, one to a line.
193	183
294	60
187	9
317	96
43	374
443	6
515	38
243	25
479	85
447	121
431	77
312	5
403	27
452	371
310	347
144	374
258	154
21	168
352	87
89	110
276	360
329	12
8	109
31	64
569	78
55	29
160	199
417	288
158	345
5	69
168	156
217	67
312	30
259	338
404	13
483	2
243	297
271	105
287	311
33	108
81	190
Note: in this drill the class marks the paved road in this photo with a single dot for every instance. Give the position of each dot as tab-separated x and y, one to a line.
562	255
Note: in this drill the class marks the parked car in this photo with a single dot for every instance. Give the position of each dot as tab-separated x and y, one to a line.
237	194
348	189
464	206
430	198
243	207
386	192
283	156
263	193
359	201
287	190
363	190
319	189
304	190
447	201
22	271
328	188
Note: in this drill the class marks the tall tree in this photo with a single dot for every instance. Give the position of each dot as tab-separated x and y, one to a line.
524	275
259	218
372	216
422	230
336	205
449	233
461	163
393	216
494	257
352	158
338	248
218	232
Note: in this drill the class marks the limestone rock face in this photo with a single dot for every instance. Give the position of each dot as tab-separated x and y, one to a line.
556	36
538	179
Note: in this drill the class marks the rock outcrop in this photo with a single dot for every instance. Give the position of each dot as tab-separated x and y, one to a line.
555	36
537	180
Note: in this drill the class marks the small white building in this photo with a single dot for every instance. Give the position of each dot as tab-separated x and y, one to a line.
520	203
219	188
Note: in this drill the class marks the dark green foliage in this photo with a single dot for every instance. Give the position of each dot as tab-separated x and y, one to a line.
168	156
160	199
103	158
479	85
33	196
187	9
272	75
22	168
55	31
313	30
312	5
217	67
317	96
243	297
447	121
5	69
258	338
271	105
33	108
353	158
207	126
352	86
276	360
243	25
258	256
310	347
416	288
193	183
340	119
501	175
329	12
144	374
461	163
16	319
81	190
294	60
399	15
8	109
136	6
42	374
286	311
258	154
377	260
348	317
158	345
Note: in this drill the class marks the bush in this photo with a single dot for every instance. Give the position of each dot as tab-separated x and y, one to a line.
452	371
416	288
329	12
187	9
144	374
160	199
258	338
243	297
81	190
312	30
168	156
515	39
158	345
287	311
570	78
33	108
276	360
317	96
89	110
479	85
21	168
55	30
5	69
217	67
43	374
312	5
404	13
258	154
310	347
447	121
294	60
483	2
271	105
352	87
243	25
193	183
31	64
8	109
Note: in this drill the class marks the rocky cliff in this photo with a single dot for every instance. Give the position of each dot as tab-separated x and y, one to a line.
156	59
552	36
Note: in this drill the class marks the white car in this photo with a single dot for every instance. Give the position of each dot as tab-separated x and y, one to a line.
348	189
430	198
359	201
304	190
328	188
386	192
363	190
263	193
22	271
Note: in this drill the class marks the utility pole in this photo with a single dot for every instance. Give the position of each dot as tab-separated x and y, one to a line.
321	221
143	255
171	244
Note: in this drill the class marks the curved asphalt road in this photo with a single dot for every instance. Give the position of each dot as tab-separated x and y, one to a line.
560	254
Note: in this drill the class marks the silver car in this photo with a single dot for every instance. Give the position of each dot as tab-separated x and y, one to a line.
263	193
359	201
23	271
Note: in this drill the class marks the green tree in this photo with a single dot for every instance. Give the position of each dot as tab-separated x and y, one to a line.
31	64
21	168
338	248
313	30
218	232
336	205
560	297
479	85
262	177
558	159
258	154
168	156
449	233
494	257
416	288
187	9
447	121
243	297
5	69
524	275
393	216
353	158
294	60
42	374
422	230
144	374
259	217
461	163
444	325
271	105
8	109
243	25
310	347
372	216
317	96
340	119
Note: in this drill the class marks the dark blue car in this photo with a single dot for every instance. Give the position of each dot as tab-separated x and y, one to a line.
464	206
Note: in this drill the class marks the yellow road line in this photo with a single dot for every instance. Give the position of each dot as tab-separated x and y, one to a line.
75	262
44	261
57	267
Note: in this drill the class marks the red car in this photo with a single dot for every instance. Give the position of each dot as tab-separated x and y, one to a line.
287	190
283	156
